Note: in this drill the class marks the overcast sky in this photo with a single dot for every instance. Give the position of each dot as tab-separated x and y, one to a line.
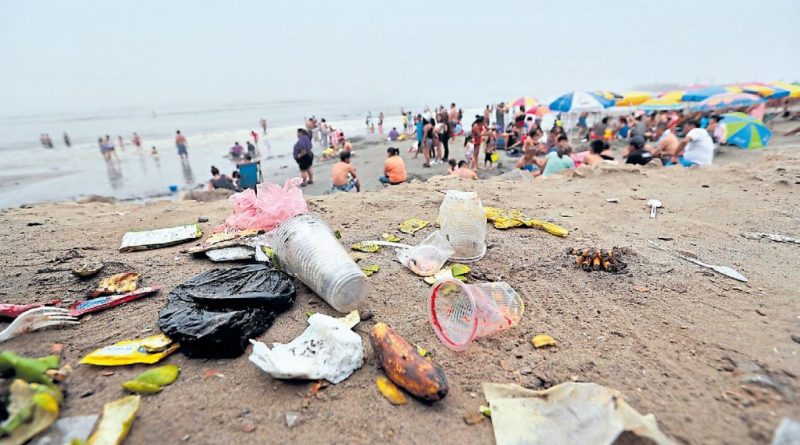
61	55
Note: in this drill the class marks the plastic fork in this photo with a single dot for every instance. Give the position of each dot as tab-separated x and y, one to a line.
38	318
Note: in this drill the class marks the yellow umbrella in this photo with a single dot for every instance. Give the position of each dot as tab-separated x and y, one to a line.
675	95
610	95
661	103
633	98
794	90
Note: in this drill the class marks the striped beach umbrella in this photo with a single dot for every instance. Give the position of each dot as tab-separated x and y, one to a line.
745	131
728	100
704	93
674	95
610	95
661	103
630	98
765	91
523	101
794	90
538	111
578	101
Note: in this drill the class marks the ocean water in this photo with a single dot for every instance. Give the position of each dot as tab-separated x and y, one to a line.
30	173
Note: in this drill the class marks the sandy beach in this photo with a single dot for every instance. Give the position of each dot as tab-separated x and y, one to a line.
679	341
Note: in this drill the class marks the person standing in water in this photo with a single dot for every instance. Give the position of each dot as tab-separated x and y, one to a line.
180	143
67	141
121	143
380	123
263	124
137	141
303	156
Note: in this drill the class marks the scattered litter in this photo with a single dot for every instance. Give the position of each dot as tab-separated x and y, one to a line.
591	259
35	319
366	247
152	380
350	320
235	253
214	313
473	417
503	219
787	433
68	430
457	271
370	269
724	270
31	409
147	350
98	304
223	239
654	205
391	238
485	410
390	391
772	237
59	375
325	350
463	224
248	427
306	248
117	284
460	313
118	416
427	257
612	200
88	269
213	373
57	348
404	366
413	225
267	209
542	341
566	414
154	239
32	370
291	417
15	310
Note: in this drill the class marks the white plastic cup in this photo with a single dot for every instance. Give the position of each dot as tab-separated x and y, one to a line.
460	313
307	248
463	223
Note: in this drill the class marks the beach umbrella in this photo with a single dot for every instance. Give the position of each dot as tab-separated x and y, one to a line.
674	95
633	98
745	131
610	95
728	100
794	90
765	91
578	101
705	93
523	101
661	103
538	111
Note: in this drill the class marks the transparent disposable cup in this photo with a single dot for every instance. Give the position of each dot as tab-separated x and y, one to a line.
307	248
463	223
460	313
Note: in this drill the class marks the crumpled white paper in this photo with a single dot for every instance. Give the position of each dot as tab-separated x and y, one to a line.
327	349
566	414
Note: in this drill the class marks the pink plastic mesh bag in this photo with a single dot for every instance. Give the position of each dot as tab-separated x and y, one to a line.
267	209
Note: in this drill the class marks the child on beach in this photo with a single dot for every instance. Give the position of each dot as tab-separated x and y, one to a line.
491	148
469	151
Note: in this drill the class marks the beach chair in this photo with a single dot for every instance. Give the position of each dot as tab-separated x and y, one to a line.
249	175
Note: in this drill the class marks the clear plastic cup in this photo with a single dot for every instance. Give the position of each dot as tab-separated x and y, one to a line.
463	223
427	257
307	248
460	313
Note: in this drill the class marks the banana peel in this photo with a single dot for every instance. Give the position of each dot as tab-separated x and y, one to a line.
118	416
366	247
542	341
457	271
32	370
32	409
391	237
413	225
503	219
370	269
390	391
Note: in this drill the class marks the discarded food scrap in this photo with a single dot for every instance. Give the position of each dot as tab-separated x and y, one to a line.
503	219
88	269
118	416
390	391
413	225
405	367
591	259
391	237
542	341
366	247
370	269
117	284
457	271
152	380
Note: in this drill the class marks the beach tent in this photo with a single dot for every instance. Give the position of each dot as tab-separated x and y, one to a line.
630	98
728	100
579	101
523	101
794	90
745	131
765	91
661	103
705	93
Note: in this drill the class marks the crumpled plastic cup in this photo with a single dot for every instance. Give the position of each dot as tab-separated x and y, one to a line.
460	313
307	249
427	257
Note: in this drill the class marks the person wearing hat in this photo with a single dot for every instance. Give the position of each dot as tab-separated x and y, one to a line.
636	153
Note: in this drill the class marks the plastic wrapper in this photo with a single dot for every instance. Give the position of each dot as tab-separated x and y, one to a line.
216	312
67	429
427	257
153	239
146	350
267	209
327	349
15	310
98	304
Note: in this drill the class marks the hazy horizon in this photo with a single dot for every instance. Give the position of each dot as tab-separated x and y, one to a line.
85	56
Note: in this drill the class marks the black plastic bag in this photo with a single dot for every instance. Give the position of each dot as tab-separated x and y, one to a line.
215	313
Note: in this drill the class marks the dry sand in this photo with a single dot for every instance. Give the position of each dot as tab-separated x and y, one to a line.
678	340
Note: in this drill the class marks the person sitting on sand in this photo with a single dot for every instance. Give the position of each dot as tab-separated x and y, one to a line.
343	175
394	168
453	169
599	151
464	172
220	181
636	153
558	161
666	143
696	148
393	135
528	161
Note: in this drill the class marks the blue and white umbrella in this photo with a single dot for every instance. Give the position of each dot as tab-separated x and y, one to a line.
578	101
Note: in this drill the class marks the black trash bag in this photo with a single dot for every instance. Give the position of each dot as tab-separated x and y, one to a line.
215	313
